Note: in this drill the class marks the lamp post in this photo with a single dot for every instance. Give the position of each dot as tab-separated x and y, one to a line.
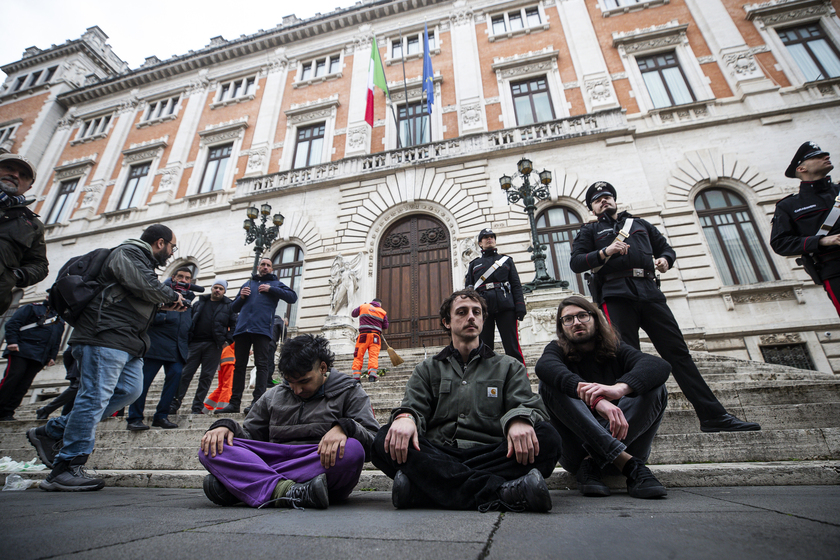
529	194
261	235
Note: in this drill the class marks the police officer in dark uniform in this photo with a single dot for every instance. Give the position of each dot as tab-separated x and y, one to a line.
800	217
630	297
503	292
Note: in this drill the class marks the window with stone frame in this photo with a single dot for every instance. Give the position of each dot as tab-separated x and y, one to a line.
516	20
665	80
237	89
812	50
61	204
288	266
531	101
790	355
161	109
92	128
309	145
34	77
557	228
135	186
415	126
19	83
737	248
218	158
320	67
50	73
6	132
410	46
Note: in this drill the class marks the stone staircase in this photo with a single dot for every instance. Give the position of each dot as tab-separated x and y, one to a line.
799	411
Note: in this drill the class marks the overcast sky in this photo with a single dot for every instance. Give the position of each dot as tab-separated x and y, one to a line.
149	27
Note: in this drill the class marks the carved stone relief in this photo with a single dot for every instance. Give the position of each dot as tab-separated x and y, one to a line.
780	338
356	137
471	115
599	90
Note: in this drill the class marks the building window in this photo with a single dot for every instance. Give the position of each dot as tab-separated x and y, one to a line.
665	80
739	254
236	89
7	132
790	355
309	145
288	266
62	201
524	18
161	109
19	83
415	124
35	76
214	171
556	228
411	45
320	67
531	101
610	4
94	127
134	187
50	73
813	52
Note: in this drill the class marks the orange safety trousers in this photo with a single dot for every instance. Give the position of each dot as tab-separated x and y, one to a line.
370	343
220	398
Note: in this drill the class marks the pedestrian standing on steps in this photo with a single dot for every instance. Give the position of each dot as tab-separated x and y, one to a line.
373	319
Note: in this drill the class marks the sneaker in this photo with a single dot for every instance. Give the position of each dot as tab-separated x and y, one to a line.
136	426
640	481
727	423
401	493
164	423
312	494
217	493
71	478
46	446
589	479
41	414
526	493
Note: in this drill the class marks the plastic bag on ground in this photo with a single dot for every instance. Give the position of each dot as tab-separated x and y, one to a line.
7	465
16	482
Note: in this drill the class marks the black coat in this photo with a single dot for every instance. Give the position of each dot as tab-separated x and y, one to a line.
169	336
224	319
498	298
797	219
646	244
37	343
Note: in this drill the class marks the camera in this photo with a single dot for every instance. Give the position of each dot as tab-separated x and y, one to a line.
185	289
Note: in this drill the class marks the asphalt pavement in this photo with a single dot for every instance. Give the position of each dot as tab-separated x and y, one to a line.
731	522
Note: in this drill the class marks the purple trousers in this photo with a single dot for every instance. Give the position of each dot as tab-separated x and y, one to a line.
251	469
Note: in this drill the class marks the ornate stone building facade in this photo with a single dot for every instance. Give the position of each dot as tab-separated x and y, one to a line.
691	108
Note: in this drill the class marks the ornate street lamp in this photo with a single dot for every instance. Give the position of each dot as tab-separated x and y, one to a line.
261	235
529	194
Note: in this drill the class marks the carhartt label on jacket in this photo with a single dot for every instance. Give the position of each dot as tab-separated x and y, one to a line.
492	392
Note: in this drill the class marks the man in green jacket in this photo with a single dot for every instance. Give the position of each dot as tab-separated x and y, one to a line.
109	342
469	433
23	251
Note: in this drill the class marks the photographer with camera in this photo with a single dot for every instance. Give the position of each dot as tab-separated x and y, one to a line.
168	348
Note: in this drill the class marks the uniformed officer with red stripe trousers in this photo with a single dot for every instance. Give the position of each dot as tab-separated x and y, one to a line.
624	253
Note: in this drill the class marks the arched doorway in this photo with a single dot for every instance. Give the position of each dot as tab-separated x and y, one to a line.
415	276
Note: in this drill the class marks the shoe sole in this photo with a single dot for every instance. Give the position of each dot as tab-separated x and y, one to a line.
716	430
36	443
648	493
143	429
593	490
53	487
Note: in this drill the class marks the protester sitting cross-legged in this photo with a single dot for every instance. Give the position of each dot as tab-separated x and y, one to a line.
303	443
605	398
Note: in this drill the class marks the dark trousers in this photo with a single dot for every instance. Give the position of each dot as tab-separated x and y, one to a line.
204	354
20	373
832	288
655	317
262	357
506	321
584	432
151	367
65	399
453	478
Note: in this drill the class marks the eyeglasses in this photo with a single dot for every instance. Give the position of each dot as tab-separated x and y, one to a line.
174	247
569	320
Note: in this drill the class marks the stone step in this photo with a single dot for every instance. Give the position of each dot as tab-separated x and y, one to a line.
776	473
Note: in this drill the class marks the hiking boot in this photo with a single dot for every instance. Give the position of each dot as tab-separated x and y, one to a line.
727	423
136	426
589	479
217	493
46	446
526	493
401	491
70	477
640	481
312	494
229	409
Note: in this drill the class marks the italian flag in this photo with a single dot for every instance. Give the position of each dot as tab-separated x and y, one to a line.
376	77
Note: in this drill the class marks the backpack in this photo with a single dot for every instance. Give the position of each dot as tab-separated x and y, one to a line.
77	284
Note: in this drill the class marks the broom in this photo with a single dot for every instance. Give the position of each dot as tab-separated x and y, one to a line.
395	358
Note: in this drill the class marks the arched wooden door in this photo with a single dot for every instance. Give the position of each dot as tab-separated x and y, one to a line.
415	276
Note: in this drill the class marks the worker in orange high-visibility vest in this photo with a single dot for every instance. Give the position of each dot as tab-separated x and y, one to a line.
220	398
372	321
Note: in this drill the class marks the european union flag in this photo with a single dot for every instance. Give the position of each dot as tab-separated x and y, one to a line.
428	73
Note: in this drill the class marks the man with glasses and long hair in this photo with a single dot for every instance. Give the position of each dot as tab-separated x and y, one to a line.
605	398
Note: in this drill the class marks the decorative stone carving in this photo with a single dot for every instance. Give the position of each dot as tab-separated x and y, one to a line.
599	90
543	320
471	115
762	297
780	338
654	43
199	85
741	64
469	250
697	345
356	137
344	282
705	59
230	130
313	110
773	12
168	178
255	160
461	15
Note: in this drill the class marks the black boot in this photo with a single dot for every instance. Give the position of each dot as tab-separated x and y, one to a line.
526	493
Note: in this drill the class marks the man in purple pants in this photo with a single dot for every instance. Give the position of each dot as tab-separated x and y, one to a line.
303	443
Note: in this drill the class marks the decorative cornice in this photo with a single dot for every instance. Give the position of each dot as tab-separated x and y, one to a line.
75	167
145	150
650	37
548	54
779	11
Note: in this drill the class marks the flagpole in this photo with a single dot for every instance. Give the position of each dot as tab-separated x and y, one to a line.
405	89
390	101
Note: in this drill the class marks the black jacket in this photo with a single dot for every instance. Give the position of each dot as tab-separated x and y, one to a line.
224	319
646	244
37	343
797	219
642	372
22	247
498	298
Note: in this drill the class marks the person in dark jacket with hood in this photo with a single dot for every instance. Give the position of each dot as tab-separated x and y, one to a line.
33	336
626	252
109	342
304	443
213	322
256	304
494	276
169	348
799	219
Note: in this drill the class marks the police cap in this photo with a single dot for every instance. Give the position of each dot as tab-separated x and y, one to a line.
597	190
807	150
486	232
